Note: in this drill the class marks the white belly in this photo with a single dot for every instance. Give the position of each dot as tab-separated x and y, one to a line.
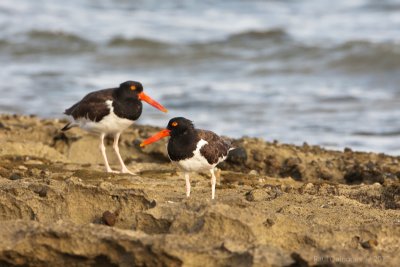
110	124
197	162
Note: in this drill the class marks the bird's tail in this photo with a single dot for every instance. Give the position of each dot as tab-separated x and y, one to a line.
68	126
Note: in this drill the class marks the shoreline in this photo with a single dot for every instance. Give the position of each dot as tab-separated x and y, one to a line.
63	118
276	204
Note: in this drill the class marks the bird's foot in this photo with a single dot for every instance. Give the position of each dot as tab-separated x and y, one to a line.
109	170
125	170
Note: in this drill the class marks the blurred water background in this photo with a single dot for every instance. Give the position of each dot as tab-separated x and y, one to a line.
324	72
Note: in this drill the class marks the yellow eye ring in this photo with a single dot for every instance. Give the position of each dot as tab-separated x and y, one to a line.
133	87
174	124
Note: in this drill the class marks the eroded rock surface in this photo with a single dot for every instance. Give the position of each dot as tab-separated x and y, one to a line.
276	205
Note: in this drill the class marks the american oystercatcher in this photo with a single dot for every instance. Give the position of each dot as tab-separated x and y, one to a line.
192	149
110	111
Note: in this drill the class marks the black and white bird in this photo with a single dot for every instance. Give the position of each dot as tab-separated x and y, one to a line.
110	111
192	149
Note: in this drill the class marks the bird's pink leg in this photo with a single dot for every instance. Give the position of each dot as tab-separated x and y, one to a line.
213	181
124	169
187	184
103	152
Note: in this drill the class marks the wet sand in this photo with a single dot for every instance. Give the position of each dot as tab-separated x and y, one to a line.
276	204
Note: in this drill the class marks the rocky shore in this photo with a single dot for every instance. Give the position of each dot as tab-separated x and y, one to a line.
276	204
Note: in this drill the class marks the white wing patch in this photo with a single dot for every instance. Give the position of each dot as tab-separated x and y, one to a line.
197	162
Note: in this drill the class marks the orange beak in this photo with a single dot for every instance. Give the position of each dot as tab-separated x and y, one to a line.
148	99
156	137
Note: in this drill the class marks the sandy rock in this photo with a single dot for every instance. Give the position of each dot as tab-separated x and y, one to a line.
276	204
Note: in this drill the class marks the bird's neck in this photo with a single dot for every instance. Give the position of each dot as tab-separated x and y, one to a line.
127	107
182	146
187	137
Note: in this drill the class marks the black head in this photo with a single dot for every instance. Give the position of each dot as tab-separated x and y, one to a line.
134	90
179	126
130	89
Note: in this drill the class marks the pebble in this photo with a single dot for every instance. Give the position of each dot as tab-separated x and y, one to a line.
309	186
22	167
369	244
44	173
15	176
109	218
238	155
269	222
348	150
42	192
33	161
253	172
279	210
377	185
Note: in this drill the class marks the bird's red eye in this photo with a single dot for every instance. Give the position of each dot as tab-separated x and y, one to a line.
174	124
133	87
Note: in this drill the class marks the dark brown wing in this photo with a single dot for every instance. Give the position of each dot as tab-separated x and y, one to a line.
216	149
93	106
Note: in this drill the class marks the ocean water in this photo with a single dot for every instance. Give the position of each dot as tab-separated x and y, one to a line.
315	71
